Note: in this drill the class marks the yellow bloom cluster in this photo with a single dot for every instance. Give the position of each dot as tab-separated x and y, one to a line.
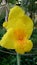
19	29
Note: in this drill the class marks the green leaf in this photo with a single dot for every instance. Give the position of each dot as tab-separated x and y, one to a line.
0	1
11	1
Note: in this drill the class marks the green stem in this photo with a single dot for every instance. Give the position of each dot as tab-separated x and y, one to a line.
18	59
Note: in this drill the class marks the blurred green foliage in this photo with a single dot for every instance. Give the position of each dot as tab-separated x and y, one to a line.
32	6
2	14
0	1
11	1
29	5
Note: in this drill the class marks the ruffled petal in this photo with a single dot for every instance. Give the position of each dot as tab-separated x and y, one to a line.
19	47
7	41
15	13
28	45
27	25
23	46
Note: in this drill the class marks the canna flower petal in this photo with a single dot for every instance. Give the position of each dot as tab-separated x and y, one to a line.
13	16
19	47
15	13
7	41
23	46
28	45
28	25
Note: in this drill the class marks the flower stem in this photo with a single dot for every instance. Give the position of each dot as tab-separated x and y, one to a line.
18	59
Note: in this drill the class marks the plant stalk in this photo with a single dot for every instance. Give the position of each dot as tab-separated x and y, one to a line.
18	59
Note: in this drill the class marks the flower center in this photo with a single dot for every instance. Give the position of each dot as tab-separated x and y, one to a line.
19	35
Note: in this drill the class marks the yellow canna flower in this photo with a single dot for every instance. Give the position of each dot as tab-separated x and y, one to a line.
19	29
